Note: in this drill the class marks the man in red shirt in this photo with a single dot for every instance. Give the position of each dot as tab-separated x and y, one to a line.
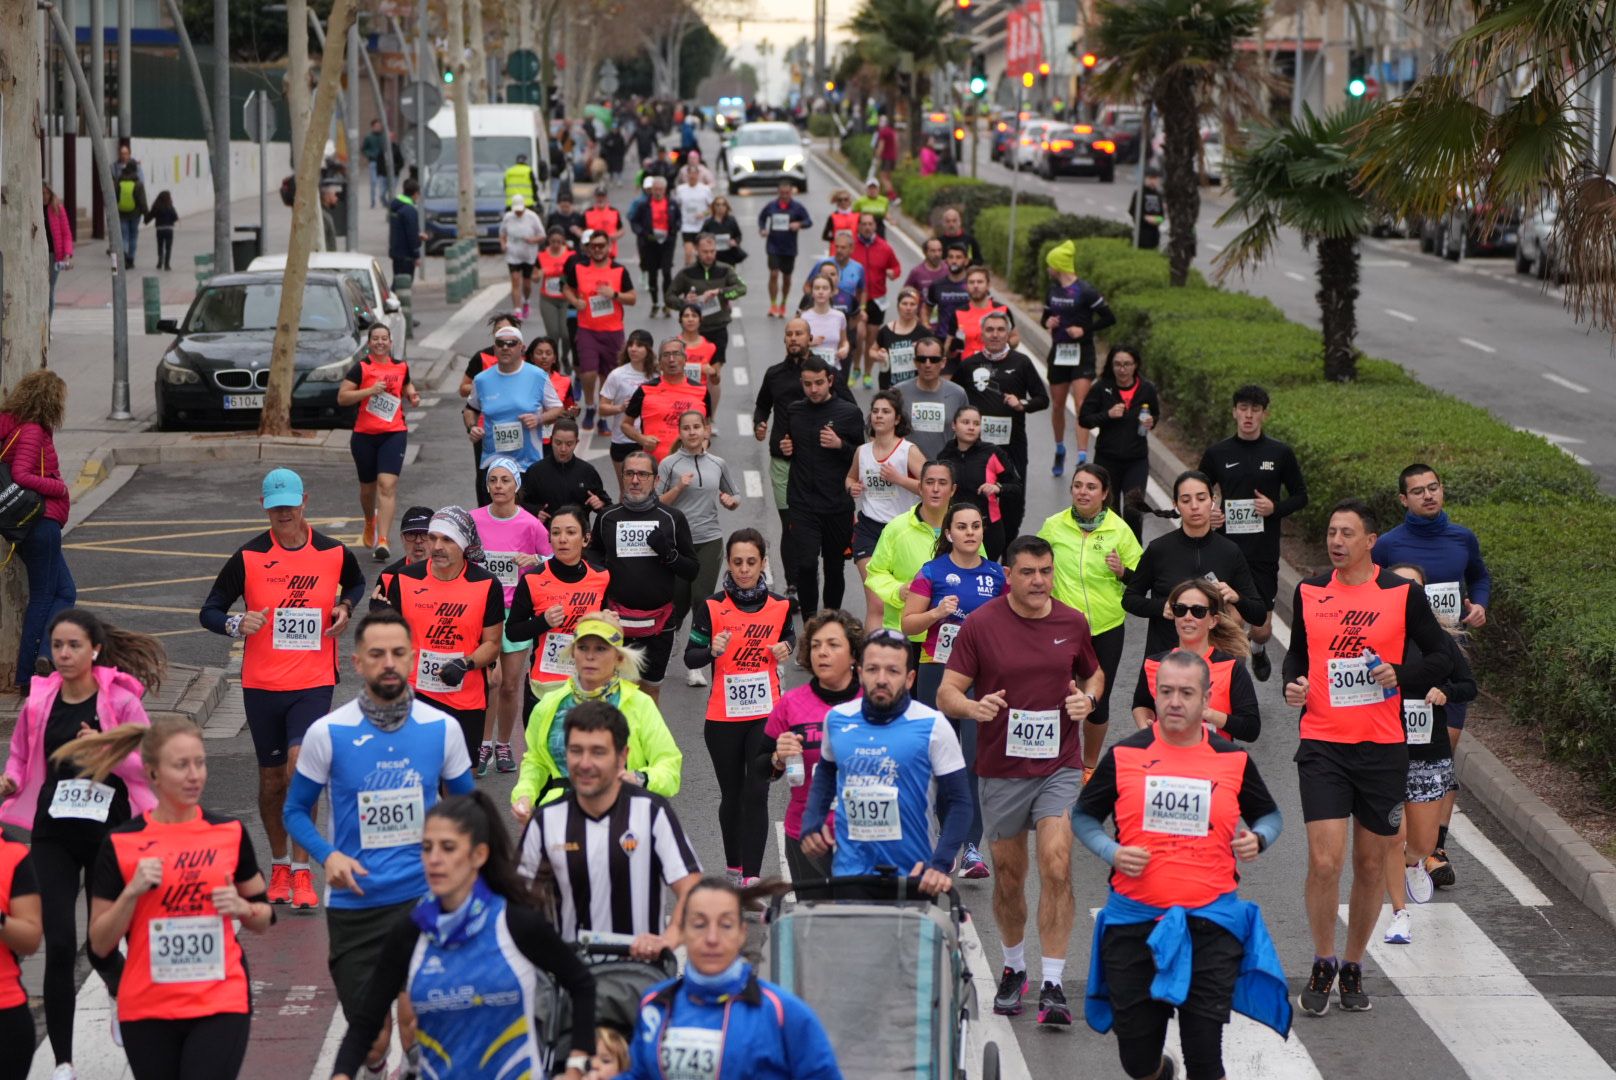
880	264
886	150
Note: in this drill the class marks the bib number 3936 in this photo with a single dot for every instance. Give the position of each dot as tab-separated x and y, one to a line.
391	817
872	812
186	949
82	799
297	629
691	1053
1179	805
1350	683
748	695
1033	734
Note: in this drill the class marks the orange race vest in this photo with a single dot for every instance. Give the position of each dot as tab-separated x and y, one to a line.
660	409
198	856
299	588
446	622
384	412
488	359
1162	788
11	992
607	221
1222	672
659	216
1342	621
843	221
590	277
577	599
697	356
551	268
969	320
746	679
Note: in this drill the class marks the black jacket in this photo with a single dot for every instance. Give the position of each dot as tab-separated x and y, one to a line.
987	381
552	484
818	474
403	231
971	472
1174	557
779	387
1118	438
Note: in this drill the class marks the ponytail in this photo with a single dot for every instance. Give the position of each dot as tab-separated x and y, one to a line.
130	651
477	816
98	754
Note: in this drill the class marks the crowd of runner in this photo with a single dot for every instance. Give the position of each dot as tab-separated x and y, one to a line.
962	707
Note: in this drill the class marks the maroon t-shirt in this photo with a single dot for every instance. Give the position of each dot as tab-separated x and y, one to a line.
1033	661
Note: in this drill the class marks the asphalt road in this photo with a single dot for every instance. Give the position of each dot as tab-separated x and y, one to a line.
1508	973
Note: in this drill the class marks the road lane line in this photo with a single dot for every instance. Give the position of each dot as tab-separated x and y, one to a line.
741	376
989	1025
1463	831
754	483
1474	344
738	340
1384	262
1490	1017
1211	245
1561	380
1294	276
1394	313
95	1057
462	320
743	424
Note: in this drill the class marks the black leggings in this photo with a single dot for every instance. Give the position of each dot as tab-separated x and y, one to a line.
62	866
743	804
1108	648
820	538
205	1048
1127	475
802	866
17	1033
1200	1038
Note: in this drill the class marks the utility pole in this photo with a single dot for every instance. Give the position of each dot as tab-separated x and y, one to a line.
478	61
297	73
423	65
466	212
221	184
98	83
1299	81
352	239
70	134
126	26
221	136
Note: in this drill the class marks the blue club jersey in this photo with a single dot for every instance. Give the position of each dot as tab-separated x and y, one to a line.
502	399
942	578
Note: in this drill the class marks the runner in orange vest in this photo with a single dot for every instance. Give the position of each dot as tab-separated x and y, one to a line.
550	600
380	386
598	287
1208	628
652	416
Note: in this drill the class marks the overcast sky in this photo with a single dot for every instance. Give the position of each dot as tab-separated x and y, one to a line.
782	22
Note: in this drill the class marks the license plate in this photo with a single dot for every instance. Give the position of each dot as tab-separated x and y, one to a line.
244	401
1080	161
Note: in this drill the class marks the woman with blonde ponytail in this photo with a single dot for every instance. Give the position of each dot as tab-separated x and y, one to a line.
101	674
1207	625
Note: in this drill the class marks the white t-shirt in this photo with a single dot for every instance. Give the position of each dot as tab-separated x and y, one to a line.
882	500
524	234
618	389
829	326
695	203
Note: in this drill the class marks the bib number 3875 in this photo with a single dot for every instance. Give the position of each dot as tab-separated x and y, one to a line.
748	695
186	949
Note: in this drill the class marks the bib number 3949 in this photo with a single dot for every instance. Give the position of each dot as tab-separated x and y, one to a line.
1033	734
186	949
748	695
507	437
691	1053
1179	805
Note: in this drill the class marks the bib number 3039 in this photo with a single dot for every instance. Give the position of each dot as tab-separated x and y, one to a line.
186	949
691	1053
1179	805
391	817
1033	734
872	812
748	695
82	799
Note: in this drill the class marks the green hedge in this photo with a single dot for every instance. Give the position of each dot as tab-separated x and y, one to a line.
1028	277
993	231
821	125
1138	311
1115	267
919	191
856	149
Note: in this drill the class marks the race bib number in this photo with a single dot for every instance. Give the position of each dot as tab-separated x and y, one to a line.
602	307
1419	718
996	429
926	416
391	818
694	373
1445	601
946	634
507	437
634	539
748	695
722	241
297	629
779	222
1033	734
1068	354
186	949
553	661
872	812
1179	805
691	1053
901	361
383	406
429	671
1240	517
502	564
552	286
712	305
1350	683
827	353
82	799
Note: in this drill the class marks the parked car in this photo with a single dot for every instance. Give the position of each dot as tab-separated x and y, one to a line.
440	206
765	154
1075	150
1211	156
1123	125
215	371
362	270
1466	232
1534	251
1025	155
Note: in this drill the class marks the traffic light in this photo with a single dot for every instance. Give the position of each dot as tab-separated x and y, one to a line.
1357	69
448	76
979	76
1089	60
1027	79
1043	68
830	86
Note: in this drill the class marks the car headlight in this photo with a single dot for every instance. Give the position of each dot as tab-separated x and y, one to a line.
743	163
327	373
173	374
793	162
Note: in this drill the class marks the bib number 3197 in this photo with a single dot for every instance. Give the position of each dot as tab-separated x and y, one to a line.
872	812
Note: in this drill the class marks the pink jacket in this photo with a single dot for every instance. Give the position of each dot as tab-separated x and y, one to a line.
34	465
117	703
61	232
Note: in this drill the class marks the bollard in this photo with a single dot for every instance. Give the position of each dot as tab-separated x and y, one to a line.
451	273
204	267
403	288
473	252
152	300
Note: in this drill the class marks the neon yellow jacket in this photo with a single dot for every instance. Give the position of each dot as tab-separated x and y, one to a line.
1082	579
651	748
907	543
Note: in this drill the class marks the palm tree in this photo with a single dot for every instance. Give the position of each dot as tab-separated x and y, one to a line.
1502	119
1303	174
914	38
1183	57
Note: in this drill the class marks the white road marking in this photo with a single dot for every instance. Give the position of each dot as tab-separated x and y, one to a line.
743	424
1491	1018
95	1057
1464	832
1111	209
753	481
1211	245
1474	344
738	339
1294	276
1394	313
1550	436
741	376
470	313
989	1026
1383	262
1561	380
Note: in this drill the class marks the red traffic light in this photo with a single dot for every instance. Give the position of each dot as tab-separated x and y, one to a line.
1043	68
1089	59
959	134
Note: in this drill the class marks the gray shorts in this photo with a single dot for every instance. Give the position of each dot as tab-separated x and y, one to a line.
1012	807
355	937
779	473
1429	781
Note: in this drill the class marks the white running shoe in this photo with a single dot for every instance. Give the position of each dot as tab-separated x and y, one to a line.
64	1071
367	1073
117	1030
696	677
1419	884
1401	930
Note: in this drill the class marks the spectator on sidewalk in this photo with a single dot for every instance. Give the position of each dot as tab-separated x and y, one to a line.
328	201
374	146
29	418
165	217
59	236
126	157
404	234
131	194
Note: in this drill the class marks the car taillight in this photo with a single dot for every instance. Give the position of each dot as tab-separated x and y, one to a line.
1059	145
1003	126
1104	145
1084	129
1043	145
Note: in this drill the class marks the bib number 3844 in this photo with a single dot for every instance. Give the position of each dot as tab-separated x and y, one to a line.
1033	734
186	949
1179	805
691	1053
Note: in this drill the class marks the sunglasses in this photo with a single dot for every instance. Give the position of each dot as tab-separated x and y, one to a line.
887	637
1200	611
507	344
928	359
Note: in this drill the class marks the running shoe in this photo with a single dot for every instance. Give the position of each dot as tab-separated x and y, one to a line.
603	428
1083	459
869	381
1012	984
1060	460
734	876
1440	869
1401	930
972	865
1261	666
64	1071
485	757
1353	998
503	761
1315	996
1419	884
115	1029
369	539
381	552
695	677
589	417
304	897
1052	1008
280	883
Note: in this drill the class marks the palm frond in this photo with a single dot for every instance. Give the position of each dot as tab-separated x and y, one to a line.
1583	229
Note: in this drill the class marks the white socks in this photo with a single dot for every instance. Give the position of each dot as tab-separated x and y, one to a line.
1053	969
1015	957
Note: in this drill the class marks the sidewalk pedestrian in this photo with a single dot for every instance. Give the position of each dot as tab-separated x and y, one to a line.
404	234
163	214
29	418
374	146
328	217
59	237
131	194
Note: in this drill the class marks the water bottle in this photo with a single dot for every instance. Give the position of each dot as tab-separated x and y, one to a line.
1144	414
1372	661
796	775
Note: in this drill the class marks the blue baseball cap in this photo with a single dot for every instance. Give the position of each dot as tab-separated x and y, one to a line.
282	487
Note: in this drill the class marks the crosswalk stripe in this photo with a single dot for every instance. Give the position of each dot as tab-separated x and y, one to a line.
95	1055
754	483
1491	1018
1464	833
741	376
738	340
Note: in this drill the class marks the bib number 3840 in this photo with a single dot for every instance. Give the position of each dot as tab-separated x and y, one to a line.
1179	805
1033	734
186	949
691	1053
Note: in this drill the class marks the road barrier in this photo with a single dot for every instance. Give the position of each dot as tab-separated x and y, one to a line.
404	289
204	267
460	270
152	302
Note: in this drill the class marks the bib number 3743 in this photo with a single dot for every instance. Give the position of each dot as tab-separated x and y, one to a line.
1033	734
691	1053
186	949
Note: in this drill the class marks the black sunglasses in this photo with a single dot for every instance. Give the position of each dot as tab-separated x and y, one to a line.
1200	611
887	636
928	359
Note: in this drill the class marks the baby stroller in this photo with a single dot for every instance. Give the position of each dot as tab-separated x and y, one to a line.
620	982
852	946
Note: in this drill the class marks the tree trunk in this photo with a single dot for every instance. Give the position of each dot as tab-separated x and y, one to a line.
297	74
466	206
1338	312
219	149
277	419
204	106
479	54
25	302
917	129
1181	187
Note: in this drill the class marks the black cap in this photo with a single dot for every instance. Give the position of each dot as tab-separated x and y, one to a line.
416	519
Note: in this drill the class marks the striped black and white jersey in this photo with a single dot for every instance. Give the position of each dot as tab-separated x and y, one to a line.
609	871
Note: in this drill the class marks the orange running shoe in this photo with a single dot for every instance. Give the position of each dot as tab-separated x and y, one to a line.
280	884
369	539
303	895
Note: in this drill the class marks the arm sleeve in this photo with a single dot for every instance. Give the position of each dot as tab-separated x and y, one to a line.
1296	655
1478	581
879	573
1255	801
523	623
1091	413
1104	318
1142	698
1251	605
24	882
763	407
246	859
1097	802
1461	682
387	978
308	781
1295	487
685	565
763	762
734	288
698	647
1091	831
726	482
821	793
107	880
636	405
227	589
550	399
664	761
1136	599
472	401
673	847
1436	661
1006	477
537	940
596	551
1037	399
494	609
954	803
1245	717
352	581
808	1047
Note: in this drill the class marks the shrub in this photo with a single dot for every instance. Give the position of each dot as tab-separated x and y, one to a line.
993	231
856	148
918	192
1027	277
821	125
970	198
1139	312
1115	267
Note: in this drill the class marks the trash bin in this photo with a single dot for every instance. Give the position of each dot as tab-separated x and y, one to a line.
246	247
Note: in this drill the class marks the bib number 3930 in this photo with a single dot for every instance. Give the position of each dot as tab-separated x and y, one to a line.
1179	805
186	949
691	1053
748	695
1033	734
82	799
391	817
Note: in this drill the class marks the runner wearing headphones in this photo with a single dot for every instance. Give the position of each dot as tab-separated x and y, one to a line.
379	386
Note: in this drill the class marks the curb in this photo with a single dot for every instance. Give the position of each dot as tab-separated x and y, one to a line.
1575	863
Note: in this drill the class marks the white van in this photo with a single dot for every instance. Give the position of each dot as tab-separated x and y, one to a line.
498	134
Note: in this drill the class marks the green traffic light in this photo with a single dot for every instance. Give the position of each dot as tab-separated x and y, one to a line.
448	76
1357	88
979	85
